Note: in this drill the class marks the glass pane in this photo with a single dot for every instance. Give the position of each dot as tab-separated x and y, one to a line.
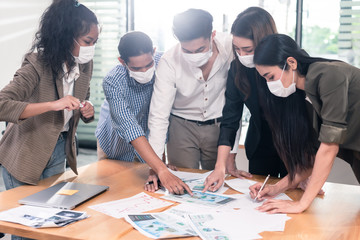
112	19
335	34
157	23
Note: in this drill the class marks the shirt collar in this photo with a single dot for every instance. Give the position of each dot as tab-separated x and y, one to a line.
73	75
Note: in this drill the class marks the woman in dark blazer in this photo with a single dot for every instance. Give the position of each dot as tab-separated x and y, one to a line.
48	95
248	29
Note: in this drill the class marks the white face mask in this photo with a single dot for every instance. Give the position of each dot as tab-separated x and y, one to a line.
86	54
143	77
247	60
278	89
198	59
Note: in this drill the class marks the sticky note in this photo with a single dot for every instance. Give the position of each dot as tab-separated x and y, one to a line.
67	192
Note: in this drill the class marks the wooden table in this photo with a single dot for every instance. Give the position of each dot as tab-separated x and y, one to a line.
334	216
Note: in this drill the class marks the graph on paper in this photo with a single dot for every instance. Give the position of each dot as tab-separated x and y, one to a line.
138	203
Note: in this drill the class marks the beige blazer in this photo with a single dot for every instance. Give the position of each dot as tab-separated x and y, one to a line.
27	145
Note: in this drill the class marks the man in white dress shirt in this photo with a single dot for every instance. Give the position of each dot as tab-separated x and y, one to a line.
188	95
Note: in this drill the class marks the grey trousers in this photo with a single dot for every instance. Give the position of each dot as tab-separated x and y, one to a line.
190	145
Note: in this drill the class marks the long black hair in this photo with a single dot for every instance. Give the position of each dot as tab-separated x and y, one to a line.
254	23
293	134
61	23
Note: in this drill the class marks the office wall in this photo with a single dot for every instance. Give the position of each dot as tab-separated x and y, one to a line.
19	21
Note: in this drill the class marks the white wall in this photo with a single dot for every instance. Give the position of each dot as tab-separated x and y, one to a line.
19	20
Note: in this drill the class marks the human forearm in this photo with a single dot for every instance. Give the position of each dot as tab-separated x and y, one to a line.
143	147
284	183
323	163
34	109
222	157
168	180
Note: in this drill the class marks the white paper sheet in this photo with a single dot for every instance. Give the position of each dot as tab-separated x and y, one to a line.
195	181
243	225
244	201
189	176
204	199
161	225
240	185
41	217
185	209
138	203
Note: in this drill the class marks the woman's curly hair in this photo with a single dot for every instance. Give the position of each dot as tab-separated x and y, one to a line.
61	23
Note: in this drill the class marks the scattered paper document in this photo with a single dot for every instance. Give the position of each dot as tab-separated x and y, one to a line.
204	199
243	225
195	181
244	201
198	185
160	225
40	217
138	203
190	176
204	230
184	209
240	185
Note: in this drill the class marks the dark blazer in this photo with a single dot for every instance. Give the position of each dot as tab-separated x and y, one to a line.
259	145
233	110
27	144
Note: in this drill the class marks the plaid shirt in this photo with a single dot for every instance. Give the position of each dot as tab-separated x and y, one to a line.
124	113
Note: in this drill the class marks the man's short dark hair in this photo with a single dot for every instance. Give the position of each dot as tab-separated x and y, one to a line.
192	24
134	44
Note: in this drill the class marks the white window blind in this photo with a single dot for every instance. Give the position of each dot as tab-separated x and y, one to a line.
112	19
349	32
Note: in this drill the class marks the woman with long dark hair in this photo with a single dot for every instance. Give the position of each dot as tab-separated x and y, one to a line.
316	100
48	95
248	29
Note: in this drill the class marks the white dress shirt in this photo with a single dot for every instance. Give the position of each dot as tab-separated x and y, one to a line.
180	89
68	85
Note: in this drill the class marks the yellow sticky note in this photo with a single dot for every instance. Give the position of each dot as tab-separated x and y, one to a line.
67	192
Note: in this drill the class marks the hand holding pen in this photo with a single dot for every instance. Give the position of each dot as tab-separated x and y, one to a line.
253	189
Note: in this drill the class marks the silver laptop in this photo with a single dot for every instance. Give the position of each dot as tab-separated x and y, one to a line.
65	195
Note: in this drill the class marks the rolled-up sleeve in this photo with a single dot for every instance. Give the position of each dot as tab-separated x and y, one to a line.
333	89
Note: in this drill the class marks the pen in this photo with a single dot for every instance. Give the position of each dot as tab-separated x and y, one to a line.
262	187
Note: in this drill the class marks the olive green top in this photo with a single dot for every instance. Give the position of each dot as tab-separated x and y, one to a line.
334	91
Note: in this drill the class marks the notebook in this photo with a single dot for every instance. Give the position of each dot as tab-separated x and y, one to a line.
65	195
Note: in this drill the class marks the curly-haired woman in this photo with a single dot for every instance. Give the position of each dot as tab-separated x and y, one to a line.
48	95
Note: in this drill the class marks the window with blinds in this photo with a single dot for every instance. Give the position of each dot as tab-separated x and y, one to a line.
349	32
112	19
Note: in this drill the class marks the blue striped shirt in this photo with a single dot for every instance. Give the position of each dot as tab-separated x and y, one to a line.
124	113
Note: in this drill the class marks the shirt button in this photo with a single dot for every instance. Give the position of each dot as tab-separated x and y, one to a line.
200	78
205	111
206	99
205	85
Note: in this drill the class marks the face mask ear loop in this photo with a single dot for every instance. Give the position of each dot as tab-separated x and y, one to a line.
77	42
282	71
293	76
